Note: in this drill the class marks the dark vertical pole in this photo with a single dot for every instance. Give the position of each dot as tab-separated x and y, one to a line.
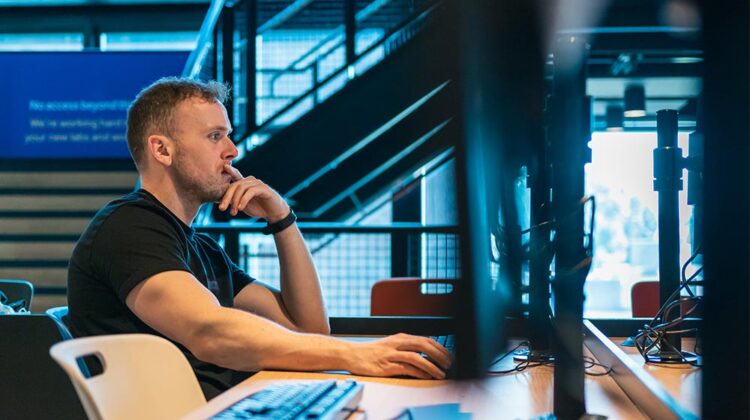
405	247
668	183
569	138
227	55
250	66
726	332
92	38
232	245
350	25
540	249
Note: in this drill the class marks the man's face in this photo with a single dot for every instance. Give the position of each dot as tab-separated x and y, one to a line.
201	131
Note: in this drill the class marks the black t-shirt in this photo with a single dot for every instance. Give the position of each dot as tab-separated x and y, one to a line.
128	241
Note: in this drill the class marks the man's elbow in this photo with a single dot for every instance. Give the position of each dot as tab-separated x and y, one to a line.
207	344
323	328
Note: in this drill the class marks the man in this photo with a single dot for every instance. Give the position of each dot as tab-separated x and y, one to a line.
140	268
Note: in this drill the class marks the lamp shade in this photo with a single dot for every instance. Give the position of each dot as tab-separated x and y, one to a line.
635	101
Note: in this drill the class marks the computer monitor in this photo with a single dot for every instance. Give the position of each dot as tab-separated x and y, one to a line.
500	109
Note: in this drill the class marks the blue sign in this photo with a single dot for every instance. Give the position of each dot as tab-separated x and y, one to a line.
74	104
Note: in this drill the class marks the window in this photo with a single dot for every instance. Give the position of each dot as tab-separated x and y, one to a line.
41	42
626	231
148	41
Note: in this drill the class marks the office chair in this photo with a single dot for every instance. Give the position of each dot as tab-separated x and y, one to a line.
34	387
144	377
60	313
18	290
412	296
644	298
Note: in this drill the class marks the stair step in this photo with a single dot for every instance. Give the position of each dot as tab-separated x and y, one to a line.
23	224
34	263
41	303
39	276
64	191
65	179
39	237
35	251
47	214
57	202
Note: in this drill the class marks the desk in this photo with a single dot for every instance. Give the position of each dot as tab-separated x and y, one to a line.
681	381
520	395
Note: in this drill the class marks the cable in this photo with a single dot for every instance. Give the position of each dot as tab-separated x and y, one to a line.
588	362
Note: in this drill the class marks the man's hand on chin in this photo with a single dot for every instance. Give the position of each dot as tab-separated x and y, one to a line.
253	197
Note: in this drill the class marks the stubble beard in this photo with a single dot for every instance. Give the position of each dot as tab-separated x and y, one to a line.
201	191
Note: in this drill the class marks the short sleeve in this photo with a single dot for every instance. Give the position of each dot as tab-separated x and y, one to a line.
240	278
135	243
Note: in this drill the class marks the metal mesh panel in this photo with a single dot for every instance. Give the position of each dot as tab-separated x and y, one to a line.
440	256
292	52
297	54
376	18
349	264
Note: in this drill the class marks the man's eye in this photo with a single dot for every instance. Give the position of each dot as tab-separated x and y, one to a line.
215	136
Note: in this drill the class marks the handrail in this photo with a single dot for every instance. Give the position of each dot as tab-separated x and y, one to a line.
331	227
284	15
205	39
336	32
413	20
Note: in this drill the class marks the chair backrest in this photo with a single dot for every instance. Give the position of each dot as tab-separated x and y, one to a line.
16	290
644	298
60	313
34	386
144	377
412	296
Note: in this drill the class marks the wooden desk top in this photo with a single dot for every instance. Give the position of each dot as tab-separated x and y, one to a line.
511	396
681	381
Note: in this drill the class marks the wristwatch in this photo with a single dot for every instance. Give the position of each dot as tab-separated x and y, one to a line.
276	227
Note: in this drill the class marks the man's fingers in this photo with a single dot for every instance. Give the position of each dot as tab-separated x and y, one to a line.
250	189
409	370
228	194
249	194
233	172
429	347
420	363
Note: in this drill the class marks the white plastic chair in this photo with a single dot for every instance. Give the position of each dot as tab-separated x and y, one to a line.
144	377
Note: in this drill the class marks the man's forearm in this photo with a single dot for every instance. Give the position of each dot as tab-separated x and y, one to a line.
238	340
300	287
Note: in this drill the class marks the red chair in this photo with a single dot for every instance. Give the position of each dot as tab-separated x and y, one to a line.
644	297
412	296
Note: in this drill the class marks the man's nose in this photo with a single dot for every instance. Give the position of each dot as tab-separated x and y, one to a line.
232	151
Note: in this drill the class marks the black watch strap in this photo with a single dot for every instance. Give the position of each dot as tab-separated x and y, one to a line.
276	227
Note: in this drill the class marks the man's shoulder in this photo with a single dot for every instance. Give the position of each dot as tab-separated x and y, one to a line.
126	213
136	206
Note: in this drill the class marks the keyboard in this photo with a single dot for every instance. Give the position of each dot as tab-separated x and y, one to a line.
447	341
310	400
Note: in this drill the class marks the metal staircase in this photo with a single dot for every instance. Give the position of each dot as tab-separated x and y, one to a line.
357	130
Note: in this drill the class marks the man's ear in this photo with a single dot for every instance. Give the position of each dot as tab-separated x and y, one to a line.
161	149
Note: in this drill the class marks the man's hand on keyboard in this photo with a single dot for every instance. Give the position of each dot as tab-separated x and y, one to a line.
399	355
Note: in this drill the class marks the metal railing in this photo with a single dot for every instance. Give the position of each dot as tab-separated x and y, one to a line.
349	259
